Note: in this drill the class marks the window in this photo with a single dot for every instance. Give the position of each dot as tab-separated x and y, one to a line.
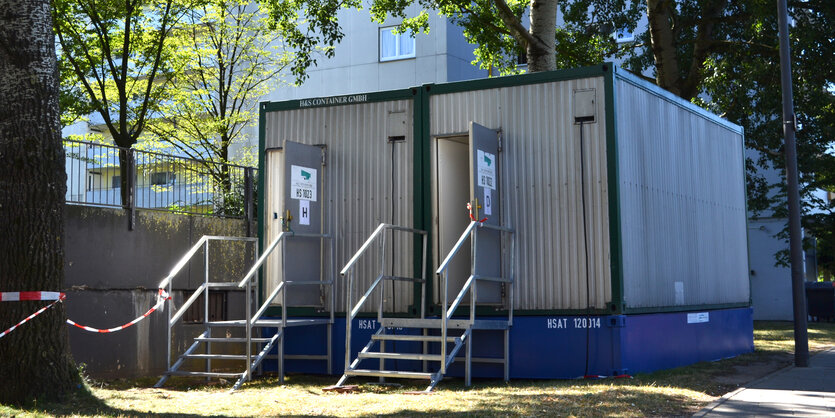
116	182
163	177
396	46
624	35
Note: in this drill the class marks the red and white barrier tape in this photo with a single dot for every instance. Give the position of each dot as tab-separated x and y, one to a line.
162	296
19	296
472	218
40	311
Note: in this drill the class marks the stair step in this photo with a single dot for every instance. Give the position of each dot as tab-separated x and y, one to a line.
390	373
427	338
231	340
401	356
495	324
201	374
216	356
225	285
271	323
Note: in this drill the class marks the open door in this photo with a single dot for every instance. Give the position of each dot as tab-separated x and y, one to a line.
294	204
465	170
484	198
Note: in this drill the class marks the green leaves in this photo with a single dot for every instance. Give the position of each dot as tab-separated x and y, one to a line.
115	53
225	59
308	27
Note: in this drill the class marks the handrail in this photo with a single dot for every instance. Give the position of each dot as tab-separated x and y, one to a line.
267	305
185	259
166	284
457	246
364	297
349	271
362	249
367	244
261	259
470	284
460	296
182	262
183	309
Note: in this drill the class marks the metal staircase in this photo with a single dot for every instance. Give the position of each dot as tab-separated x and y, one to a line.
253	345
432	344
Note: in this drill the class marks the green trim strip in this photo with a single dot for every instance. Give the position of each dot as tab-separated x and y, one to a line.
262	192
613	178
523	79
426	196
419	218
349	99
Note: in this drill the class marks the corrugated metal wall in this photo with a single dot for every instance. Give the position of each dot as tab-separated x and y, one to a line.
368	181
682	202
542	180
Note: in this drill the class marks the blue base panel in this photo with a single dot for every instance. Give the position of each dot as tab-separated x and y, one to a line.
556	347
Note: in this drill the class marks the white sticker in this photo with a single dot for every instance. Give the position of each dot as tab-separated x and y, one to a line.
679	288
304	212
302	183
488	201
698	318
486	169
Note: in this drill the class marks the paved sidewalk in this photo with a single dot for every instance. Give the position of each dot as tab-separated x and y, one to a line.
793	391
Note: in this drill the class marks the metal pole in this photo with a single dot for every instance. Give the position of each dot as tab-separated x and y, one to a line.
248	199
348	309
801	342
206	306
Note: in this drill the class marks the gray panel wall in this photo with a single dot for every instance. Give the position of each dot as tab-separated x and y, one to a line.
368	182
682	202
111	277
542	177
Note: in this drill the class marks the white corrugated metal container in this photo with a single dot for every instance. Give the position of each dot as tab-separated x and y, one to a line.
682	201
647	215
368	181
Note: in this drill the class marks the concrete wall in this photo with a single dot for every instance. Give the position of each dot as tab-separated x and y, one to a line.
112	275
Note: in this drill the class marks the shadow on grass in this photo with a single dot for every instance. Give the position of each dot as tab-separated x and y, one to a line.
84	403
618	400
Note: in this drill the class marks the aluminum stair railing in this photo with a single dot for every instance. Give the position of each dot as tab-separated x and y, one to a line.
174	317
378	284
249	283
284	322
471	287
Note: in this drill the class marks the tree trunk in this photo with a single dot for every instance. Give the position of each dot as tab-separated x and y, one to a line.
542	50
34	359
661	23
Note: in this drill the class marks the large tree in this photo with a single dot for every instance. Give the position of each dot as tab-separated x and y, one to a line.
34	359
227	58
116	50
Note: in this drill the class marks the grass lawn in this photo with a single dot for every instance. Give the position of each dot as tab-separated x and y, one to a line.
681	391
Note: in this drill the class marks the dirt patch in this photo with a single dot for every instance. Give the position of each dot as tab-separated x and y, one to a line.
738	375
